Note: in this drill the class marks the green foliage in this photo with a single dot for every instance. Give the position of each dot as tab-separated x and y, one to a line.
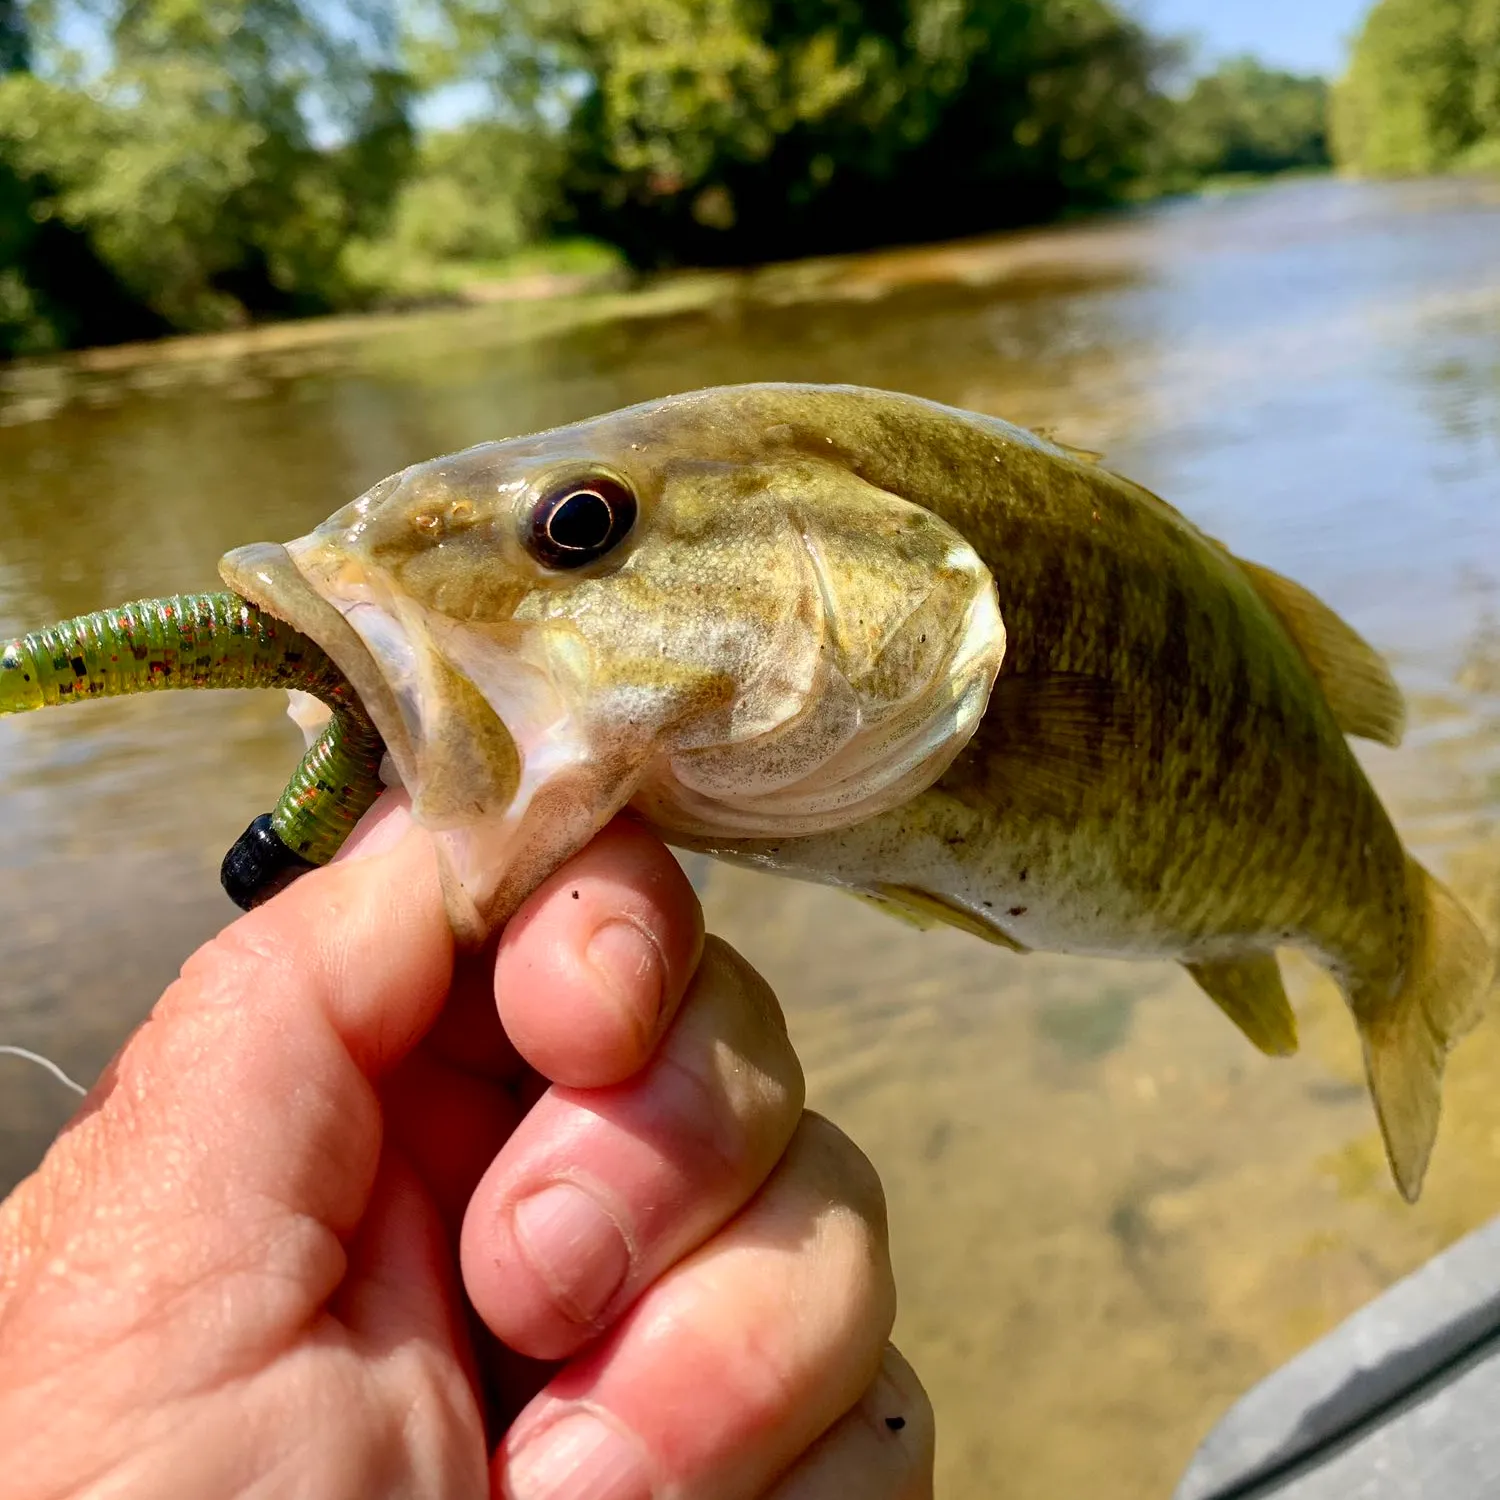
15	38
1423	88
54	287
1245	117
475	199
478	193
718	130
228	160
190	167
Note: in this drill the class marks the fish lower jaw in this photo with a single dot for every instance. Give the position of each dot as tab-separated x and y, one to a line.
269	576
501	771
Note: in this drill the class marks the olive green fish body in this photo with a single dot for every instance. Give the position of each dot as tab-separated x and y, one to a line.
1162	768
865	639
1147	689
1158	771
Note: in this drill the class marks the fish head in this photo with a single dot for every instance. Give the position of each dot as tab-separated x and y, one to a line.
742	639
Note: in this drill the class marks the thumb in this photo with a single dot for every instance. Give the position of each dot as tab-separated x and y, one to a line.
240	1126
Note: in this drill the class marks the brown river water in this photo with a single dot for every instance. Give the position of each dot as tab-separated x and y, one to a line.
1110	1215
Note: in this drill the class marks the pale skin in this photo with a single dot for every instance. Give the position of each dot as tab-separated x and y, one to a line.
345	1218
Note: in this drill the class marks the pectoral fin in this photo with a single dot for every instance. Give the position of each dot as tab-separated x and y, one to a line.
1055	740
1249	991
1354	677
467	763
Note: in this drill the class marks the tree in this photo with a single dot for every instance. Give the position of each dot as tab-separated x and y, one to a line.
15	38
1245	117
55	290
479	192
193	166
1423	88
736	130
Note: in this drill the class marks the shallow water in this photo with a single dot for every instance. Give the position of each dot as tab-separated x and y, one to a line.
1110	1215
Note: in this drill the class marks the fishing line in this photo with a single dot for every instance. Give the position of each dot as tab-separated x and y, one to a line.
43	1062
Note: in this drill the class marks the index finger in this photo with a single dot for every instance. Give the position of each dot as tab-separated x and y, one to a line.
592	968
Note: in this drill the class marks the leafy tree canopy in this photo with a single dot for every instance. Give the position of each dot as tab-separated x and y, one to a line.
734	130
206	162
1423	88
1245	117
193	161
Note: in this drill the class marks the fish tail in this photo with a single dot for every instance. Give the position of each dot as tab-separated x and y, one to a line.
1409	1028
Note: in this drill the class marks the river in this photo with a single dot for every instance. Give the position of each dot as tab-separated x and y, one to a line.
1110	1215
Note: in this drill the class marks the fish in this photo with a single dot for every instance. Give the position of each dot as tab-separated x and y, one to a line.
864	639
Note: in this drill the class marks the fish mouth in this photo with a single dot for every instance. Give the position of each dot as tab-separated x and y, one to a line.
266	574
484	725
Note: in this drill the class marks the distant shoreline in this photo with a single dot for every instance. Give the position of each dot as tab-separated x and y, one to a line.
545	301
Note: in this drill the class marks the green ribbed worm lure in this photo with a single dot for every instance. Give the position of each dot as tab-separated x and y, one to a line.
218	641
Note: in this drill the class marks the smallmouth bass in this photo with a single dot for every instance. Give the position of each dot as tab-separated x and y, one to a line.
863	639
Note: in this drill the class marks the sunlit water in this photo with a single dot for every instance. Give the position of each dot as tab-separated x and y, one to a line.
1109	1214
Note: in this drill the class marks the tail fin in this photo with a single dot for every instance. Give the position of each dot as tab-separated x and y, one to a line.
1407	1035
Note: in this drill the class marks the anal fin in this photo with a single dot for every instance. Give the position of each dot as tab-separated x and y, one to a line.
1249	991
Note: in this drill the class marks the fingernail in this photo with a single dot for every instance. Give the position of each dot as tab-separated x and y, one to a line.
579	1458
629	965
574	1246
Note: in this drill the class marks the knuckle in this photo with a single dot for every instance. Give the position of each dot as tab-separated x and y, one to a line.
828	1185
222	965
898	1407
728	1120
727	970
727	1078
845	1172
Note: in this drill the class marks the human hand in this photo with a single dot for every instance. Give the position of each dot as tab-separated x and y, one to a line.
251	1264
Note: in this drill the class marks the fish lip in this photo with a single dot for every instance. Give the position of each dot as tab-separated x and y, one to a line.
266	575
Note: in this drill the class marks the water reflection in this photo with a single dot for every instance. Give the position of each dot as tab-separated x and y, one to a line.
1109	1214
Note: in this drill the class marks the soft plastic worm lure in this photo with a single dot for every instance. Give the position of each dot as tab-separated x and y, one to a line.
218	641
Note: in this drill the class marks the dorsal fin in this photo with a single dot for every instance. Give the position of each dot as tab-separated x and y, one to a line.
1083	455
1354	677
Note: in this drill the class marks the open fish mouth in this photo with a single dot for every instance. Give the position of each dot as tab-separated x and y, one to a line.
265	574
480	722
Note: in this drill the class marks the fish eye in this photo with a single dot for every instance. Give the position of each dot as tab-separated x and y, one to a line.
579	521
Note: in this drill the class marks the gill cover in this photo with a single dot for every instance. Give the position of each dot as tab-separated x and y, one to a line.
877	675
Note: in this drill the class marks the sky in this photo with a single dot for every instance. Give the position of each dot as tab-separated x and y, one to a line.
1304	36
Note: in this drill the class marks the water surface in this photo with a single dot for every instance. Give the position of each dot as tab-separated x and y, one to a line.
1109	1214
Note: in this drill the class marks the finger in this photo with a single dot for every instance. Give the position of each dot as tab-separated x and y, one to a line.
381	828
737	1360
592	967
881	1450
468	1034
600	1191
450	1124
240	1125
